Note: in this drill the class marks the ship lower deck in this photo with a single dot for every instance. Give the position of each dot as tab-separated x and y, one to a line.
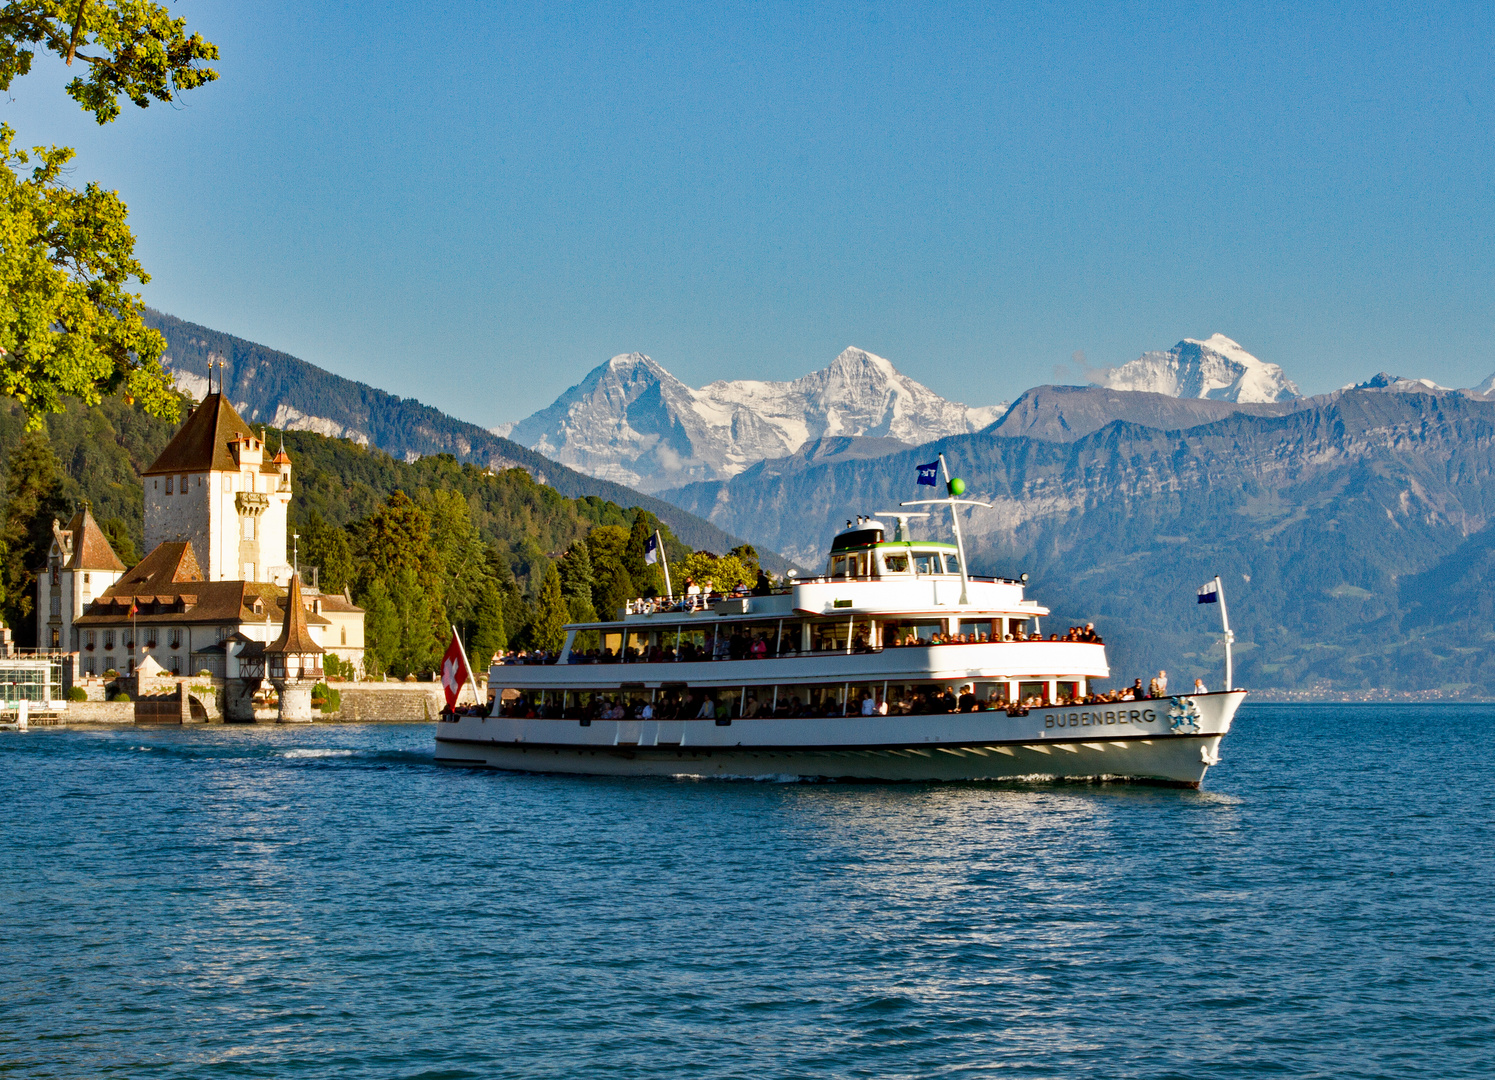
1171	760
1171	741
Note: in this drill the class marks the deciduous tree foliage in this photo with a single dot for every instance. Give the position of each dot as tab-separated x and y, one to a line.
68	323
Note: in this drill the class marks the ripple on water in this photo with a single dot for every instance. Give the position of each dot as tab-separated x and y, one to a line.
283	902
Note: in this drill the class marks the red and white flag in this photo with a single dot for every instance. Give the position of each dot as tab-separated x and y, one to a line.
455	670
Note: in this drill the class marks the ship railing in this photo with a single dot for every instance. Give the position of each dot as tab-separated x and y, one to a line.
798	654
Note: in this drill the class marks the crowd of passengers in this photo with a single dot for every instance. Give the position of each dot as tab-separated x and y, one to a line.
702	705
748	645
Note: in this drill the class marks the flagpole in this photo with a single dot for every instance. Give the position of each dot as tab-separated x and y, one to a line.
664	561
952	502
1229	637
466	666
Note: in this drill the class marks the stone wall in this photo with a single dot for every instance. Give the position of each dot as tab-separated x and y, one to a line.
400	702
99	712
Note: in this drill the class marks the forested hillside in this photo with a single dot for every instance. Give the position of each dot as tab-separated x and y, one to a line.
419	544
281	391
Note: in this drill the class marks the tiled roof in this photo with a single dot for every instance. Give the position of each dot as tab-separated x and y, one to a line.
202	444
166	587
294	637
169	564
91	548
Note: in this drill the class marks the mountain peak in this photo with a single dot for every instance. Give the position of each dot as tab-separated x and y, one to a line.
1216	367
633	422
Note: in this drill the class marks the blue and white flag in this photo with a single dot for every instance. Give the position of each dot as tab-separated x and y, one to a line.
928	474
651	549
1209	594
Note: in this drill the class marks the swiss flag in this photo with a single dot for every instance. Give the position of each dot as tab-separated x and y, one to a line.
454	670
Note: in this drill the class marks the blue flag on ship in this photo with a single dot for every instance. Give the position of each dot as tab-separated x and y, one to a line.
928	473
651	549
1209	594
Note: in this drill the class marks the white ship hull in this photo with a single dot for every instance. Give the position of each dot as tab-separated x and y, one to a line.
1167	741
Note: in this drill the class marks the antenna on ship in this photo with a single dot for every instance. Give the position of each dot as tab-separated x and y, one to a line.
956	487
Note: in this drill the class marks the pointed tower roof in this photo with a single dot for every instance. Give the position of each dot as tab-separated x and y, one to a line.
294	637
202	444
91	548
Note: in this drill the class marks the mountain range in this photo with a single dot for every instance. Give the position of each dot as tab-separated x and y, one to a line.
1345	526
1352	529
633	422
280	390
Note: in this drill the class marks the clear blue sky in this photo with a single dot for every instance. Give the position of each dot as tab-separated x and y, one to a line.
474	204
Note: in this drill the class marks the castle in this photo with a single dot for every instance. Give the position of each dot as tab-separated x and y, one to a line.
216	577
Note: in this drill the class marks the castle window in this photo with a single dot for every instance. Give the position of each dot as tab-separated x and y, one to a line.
176	638
345	635
228	482
183	487
56	575
176	665
85	579
56	639
169	480
249	527
56	603
89	639
108	639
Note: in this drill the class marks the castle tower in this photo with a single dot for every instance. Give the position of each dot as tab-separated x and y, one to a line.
214	487
293	661
81	564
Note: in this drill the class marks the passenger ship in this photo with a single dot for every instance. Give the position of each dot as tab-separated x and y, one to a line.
893	665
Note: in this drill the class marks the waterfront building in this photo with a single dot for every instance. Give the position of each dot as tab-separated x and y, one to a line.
81	566
216	511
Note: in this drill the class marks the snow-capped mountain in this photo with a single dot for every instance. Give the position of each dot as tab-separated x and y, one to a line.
1216	368
1398	384
632	422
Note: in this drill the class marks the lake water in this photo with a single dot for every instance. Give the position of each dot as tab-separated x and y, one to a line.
277	902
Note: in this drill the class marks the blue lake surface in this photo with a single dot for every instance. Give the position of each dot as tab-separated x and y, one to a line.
280	902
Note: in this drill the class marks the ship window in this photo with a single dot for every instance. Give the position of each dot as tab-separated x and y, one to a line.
895	564
833	636
923	699
840	566
952	564
1033	691
911	631
979	629
926	563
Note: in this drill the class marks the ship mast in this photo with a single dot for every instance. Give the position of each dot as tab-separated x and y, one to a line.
956	487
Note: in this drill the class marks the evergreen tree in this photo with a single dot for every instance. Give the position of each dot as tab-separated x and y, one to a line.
397	536
381	629
648	578
328	548
33	500
419	647
121	540
548	629
488	635
577	579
